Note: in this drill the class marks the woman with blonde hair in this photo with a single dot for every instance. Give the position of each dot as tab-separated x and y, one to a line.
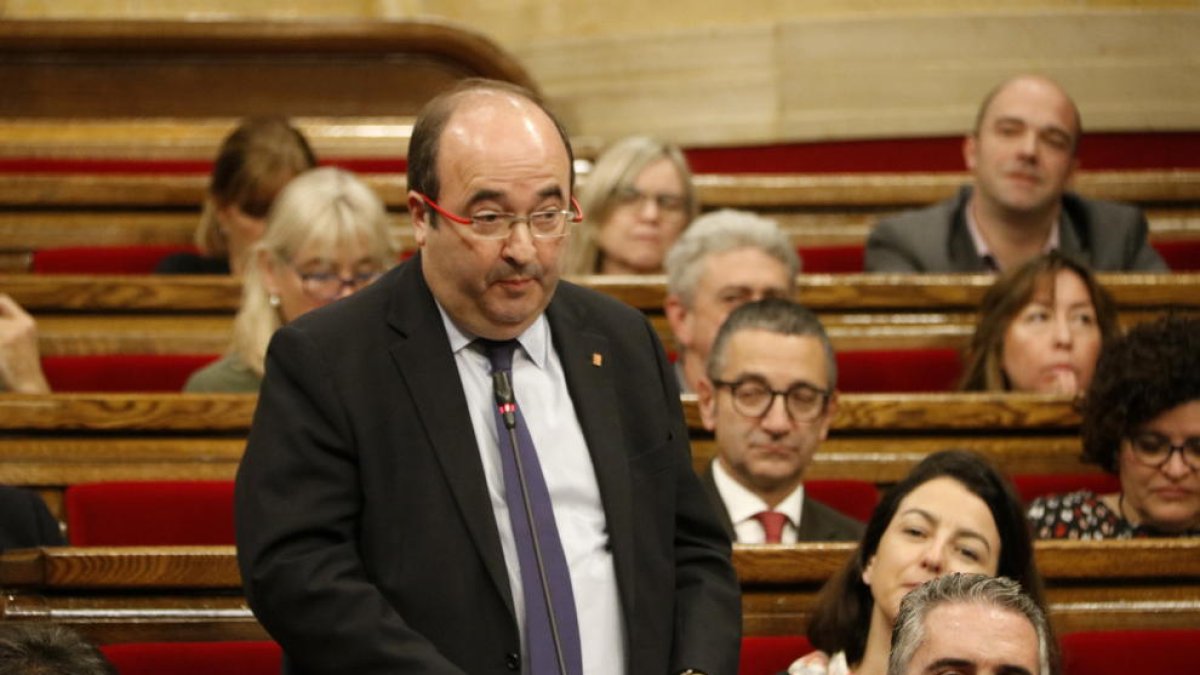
636	201
327	237
254	163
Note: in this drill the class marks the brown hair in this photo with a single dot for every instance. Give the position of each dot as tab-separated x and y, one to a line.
1006	298
252	166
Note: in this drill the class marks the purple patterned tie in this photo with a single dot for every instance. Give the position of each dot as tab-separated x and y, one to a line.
551	625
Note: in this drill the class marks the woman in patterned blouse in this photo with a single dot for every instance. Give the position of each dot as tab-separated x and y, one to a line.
1141	421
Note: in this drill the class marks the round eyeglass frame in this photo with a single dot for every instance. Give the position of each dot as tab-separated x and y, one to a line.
739	404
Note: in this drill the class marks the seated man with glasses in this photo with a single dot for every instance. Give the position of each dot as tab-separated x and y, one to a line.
1141	421
770	397
327	237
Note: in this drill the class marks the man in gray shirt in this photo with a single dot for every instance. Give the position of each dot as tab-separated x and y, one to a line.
1021	154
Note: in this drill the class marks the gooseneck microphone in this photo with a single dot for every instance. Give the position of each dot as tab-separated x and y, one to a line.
506	403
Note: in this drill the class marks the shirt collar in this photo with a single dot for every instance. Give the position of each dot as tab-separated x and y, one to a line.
535	341
985	252
742	504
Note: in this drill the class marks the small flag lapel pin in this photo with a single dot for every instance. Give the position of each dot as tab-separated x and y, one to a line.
597	359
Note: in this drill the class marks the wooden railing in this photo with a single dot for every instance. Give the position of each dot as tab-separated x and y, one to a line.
194	593
52	441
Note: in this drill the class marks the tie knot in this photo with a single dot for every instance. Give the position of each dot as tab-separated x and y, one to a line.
772	523
499	352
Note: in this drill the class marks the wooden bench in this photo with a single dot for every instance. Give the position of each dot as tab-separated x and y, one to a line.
117	595
97	208
52	441
191	315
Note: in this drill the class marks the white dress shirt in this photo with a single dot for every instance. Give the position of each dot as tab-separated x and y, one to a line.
742	505
540	386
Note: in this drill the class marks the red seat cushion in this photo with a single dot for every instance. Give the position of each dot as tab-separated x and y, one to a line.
1181	255
890	370
832	259
122	372
769	654
855	498
150	513
1120	652
195	658
1031	486
104	259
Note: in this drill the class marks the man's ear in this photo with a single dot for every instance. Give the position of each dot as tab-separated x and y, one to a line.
969	151
706	396
831	409
679	318
419	214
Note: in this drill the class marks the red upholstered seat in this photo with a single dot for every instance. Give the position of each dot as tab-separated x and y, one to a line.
1182	255
832	259
1121	652
891	370
104	259
150	513
195	658
1032	486
769	654
855	498
122	372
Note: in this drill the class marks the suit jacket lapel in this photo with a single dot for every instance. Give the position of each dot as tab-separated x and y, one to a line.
960	249
422	354
586	362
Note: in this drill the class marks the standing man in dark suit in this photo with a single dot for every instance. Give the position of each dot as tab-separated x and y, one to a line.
374	532
1021	155
770	396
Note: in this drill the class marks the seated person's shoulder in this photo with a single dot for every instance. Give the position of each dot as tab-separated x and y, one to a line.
26	521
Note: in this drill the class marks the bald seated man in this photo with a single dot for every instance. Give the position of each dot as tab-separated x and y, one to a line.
1021	155
470	466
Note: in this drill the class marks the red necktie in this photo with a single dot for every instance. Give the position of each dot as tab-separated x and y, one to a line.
772	523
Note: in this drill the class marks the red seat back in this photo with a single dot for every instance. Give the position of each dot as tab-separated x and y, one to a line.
1121	652
1181	255
1031	486
150	513
891	370
832	259
855	498
122	372
195	658
140	259
769	654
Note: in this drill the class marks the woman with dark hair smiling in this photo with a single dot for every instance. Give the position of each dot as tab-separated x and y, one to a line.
952	513
1040	329
1141	422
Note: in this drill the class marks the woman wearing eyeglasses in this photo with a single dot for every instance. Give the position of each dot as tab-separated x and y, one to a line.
327	237
637	199
1141	421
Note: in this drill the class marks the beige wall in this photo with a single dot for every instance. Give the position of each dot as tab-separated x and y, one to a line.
777	70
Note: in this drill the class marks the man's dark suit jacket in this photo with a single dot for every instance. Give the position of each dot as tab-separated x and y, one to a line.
366	537
818	522
25	521
1102	235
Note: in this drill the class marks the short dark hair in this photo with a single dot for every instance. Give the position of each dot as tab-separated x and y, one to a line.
842	615
48	649
432	120
970	589
1153	368
774	315
1006	298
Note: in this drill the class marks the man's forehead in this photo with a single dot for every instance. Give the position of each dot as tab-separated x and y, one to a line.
1033	100
766	352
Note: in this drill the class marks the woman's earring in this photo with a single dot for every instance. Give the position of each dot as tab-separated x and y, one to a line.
273	300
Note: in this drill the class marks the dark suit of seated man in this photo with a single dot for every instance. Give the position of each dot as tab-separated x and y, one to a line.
375	524
25	521
769	396
1021	154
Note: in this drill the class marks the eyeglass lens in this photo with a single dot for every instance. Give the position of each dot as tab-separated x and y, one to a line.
1156	450
753	398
